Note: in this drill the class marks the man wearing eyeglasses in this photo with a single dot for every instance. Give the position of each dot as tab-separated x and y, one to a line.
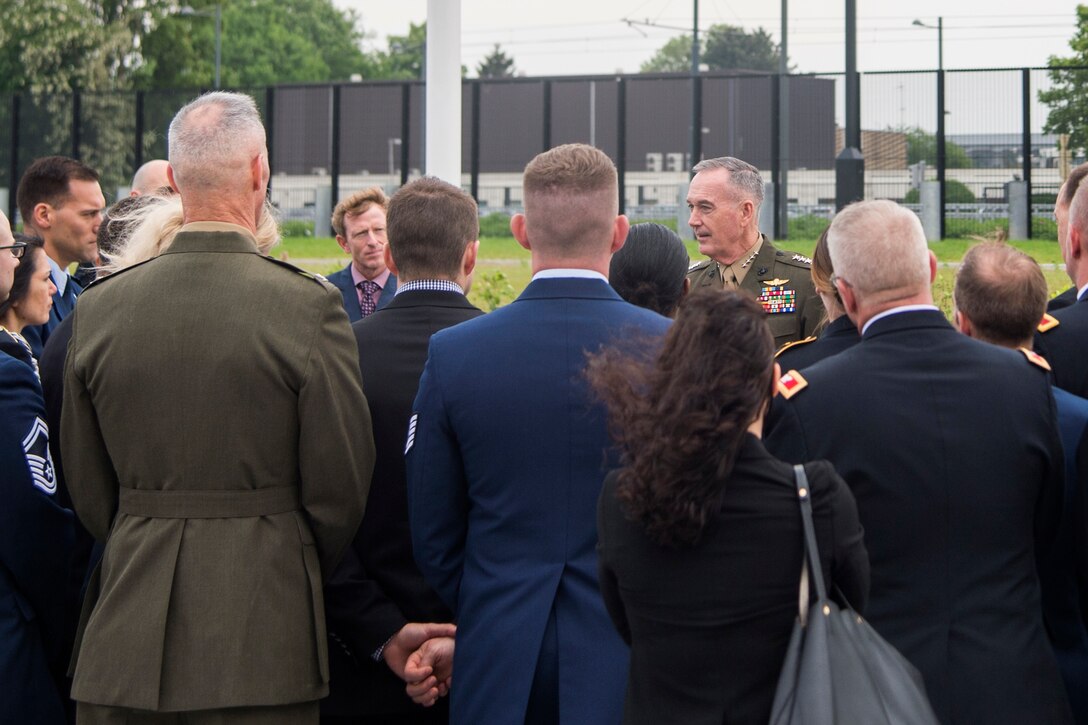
35	539
60	201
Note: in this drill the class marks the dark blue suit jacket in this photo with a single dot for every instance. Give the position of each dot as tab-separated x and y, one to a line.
1064	574
35	542
951	448
506	455
342	281
63	305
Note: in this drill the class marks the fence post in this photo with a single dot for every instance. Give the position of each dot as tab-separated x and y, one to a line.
942	159
270	129
547	116
77	101
334	162
405	129
138	149
474	157
776	154
1026	101
16	102
621	140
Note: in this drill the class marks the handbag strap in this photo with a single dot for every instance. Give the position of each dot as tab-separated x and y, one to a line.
804	495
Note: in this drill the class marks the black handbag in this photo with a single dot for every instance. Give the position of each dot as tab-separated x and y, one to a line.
837	668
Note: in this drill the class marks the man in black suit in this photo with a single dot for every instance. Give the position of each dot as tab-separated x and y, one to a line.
379	593
952	451
1061	216
1062	338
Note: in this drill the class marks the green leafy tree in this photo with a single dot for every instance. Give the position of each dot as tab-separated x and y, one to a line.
404	59
1067	96
496	64
722	47
922	146
263	42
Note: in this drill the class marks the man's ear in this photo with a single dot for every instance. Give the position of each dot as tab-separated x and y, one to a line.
170	178
619	233
518	228
932	267
344	243
256	172
846	294
41	216
468	260
775	377
748	212
388	255
962	322
1076	242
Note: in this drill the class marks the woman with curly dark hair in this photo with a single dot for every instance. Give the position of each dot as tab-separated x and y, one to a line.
700	532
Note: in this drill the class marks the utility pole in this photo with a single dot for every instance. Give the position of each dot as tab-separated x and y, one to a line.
850	164
696	93
782	195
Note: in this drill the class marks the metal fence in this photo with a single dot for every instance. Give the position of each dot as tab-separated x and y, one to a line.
326	141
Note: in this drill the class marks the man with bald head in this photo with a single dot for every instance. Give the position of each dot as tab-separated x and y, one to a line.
506	454
150	178
217	440
951	449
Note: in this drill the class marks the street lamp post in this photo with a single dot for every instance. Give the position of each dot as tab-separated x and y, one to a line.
218	15
941	158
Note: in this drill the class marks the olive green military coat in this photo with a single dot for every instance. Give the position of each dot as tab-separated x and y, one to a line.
216	436
792	276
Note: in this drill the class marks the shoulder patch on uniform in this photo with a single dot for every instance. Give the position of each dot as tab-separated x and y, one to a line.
298	270
795	260
38	458
791	384
1049	322
1035	358
795	343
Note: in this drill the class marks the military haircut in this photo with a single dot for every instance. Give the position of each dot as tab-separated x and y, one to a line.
430	223
212	140
47	180
1002	291
1072	183
571	198
745	179
357	203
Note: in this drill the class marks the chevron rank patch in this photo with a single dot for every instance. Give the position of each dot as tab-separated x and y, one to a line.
1036	358
411	433
1049	323
791	384
38	458
776	298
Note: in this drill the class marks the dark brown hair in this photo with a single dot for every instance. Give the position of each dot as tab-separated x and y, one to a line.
28	265
47	181
1003	293
429	223
679	420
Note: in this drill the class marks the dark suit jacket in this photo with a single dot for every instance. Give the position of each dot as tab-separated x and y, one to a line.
35	543
63	305
343	282
1065	346
505	465
951	448
1064	574
379	589
1065	299
709	625
836	337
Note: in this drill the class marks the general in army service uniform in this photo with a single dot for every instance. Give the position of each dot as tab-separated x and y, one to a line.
724	200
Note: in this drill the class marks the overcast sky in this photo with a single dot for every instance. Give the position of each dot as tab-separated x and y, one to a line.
571	37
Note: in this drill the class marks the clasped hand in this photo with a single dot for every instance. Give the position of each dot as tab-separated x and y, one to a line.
421	654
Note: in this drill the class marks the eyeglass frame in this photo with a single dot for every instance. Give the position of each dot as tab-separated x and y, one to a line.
17	250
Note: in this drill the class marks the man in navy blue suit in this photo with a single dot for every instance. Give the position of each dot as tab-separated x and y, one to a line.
506	452
1000	295
60	201
366	283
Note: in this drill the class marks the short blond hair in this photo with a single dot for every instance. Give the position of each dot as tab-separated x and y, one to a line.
571	198
358	203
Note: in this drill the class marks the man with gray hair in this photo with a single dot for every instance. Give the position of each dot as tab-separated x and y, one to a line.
951	449
219	443
724	200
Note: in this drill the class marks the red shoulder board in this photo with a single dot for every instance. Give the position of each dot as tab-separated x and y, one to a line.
790	384
1049	323
1036	358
